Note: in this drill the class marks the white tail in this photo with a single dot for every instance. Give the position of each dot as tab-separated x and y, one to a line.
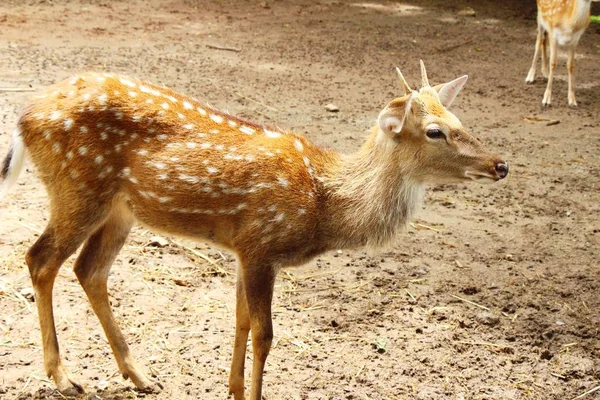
112	150
13	163
560	23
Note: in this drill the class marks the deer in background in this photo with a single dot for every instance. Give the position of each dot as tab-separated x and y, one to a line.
560	23
113	150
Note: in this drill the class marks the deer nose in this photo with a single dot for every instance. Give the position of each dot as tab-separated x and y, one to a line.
502	169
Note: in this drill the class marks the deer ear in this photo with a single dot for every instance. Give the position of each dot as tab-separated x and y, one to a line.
391	120
447	91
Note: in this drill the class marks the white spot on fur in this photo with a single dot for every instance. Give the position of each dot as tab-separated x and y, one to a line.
103	135
74	174
69	155
206	145
283	182
246	129
83	129
102	99
56	147
202	111
212	170
127	82
132	93
161	137
217	118
187	105
189	126
298	145
98	159
142	152
271	134
232	123
126	171
301	211
47	134
68	124
165	105
82	150
54	115
191	145
189	178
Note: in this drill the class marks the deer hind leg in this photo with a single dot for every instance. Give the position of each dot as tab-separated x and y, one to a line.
92	268
570	67
538	44
63	235
259	281
242	329
547	100
544	46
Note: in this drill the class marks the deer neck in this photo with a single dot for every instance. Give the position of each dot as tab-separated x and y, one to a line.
370	196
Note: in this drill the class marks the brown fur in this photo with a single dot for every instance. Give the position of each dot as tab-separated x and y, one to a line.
114	150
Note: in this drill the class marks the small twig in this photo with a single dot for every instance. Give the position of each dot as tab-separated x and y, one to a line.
195	252
360	370
210	46
455	46
581	396
16	89
481	343
411	296
470	302
422	226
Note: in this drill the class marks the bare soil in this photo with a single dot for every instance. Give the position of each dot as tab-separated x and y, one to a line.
492	293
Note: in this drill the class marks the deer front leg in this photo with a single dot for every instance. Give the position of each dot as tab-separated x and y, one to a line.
538	44
548	93
258	285
570	67
242	329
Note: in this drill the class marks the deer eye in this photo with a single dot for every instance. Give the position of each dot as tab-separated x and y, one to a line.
435	134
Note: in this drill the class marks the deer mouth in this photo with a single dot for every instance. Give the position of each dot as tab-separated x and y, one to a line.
481	177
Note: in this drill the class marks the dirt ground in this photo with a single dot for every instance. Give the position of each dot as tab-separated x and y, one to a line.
492	293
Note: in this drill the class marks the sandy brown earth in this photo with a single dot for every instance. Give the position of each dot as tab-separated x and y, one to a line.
492	293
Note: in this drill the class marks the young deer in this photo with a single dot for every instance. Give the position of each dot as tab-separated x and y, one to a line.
113	150
560	23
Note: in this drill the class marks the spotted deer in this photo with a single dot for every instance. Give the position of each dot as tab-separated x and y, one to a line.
560	23
113	150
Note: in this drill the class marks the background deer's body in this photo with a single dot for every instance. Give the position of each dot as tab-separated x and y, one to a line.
560	23
112	150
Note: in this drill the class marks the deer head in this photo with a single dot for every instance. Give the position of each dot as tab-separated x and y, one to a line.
429	142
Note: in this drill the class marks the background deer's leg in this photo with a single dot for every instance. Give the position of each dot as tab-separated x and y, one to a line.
92	268
548	93
570	67
242	329
258	285
545	39
536	53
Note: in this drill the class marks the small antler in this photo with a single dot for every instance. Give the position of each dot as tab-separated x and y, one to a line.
403	82
424	80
